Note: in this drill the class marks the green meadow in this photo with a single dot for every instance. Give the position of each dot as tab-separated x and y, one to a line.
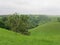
46	34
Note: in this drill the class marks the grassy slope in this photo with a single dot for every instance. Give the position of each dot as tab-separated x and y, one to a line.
47	34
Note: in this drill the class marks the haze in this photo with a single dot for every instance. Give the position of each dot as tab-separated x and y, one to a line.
48	7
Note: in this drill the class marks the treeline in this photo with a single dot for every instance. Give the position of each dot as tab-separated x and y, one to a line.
22	23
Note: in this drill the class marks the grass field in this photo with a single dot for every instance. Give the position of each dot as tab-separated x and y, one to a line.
47	34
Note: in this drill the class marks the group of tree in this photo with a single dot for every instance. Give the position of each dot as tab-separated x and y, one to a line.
15	22
22	23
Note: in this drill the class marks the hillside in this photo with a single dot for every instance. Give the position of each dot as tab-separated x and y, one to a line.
11	38
48	28
47	34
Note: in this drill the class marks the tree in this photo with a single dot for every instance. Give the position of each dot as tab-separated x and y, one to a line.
58	19
17	23
2	20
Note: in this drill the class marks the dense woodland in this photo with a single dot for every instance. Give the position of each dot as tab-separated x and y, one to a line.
21	23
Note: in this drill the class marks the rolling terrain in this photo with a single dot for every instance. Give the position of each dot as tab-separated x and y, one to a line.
46	34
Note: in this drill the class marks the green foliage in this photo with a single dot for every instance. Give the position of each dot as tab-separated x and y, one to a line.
36	20
58	19
33	21
21	23
43	19
2	20
2	24
18	23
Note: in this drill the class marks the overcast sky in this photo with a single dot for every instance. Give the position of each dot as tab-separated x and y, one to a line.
49	7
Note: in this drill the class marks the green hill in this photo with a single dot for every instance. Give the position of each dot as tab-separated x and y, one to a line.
46	29
47	34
